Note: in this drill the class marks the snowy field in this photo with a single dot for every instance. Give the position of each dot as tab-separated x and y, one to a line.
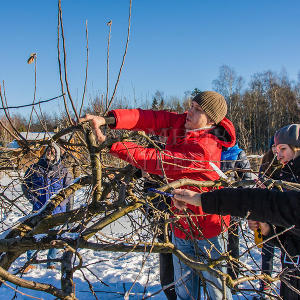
112	275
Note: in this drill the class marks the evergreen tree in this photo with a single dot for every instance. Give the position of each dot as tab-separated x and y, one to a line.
162	104
154	103
195	92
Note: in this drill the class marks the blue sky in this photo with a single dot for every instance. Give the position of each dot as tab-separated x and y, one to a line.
174	46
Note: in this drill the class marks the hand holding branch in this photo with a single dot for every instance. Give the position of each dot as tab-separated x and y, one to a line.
183	197
95	123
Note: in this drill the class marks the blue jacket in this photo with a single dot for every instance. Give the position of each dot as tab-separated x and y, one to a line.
42	180
236	158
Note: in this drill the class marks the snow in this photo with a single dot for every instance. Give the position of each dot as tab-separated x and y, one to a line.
112	275
118	274
34	136
30	136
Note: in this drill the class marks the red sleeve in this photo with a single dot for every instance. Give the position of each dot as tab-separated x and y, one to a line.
146	120
149	159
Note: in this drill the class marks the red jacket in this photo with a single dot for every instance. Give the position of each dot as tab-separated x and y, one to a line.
186	155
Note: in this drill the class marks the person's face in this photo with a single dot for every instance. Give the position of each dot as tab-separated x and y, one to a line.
284	153
50	154
196	117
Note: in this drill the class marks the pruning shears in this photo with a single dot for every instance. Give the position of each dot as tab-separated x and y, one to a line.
258	237
156	191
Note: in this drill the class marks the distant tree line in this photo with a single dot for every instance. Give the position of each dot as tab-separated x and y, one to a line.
269	102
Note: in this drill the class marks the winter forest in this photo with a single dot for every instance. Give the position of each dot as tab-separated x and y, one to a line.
109	240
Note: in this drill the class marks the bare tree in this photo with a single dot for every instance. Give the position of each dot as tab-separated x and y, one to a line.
110	190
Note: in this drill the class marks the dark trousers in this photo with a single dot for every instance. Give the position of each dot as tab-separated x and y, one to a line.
267	255
166	272
233	246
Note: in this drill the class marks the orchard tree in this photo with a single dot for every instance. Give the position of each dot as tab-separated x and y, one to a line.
110	191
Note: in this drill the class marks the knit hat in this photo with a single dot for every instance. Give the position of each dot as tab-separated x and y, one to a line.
213	104
289	134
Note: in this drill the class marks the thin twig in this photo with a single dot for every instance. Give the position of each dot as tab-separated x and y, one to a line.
34	95
59	64
87	65
65	61
123	61
32	104
107	64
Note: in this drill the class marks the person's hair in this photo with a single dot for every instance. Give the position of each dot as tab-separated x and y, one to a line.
270	165
295	149
267	159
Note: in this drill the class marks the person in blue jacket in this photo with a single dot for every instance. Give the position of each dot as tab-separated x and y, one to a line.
43	180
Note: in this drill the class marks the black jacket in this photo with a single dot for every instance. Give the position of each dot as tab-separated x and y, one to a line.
291	171
281	209
278	208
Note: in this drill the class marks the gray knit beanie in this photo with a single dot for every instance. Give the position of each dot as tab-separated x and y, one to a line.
289	134
213	104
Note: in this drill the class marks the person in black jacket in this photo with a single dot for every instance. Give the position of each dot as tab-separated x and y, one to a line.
280	209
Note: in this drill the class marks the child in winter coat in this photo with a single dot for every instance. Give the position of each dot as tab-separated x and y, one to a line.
42	180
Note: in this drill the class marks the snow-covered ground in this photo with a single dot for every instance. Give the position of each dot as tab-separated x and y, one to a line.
119	274
112	275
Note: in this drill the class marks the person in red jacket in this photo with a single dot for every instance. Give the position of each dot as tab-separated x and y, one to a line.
194	139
